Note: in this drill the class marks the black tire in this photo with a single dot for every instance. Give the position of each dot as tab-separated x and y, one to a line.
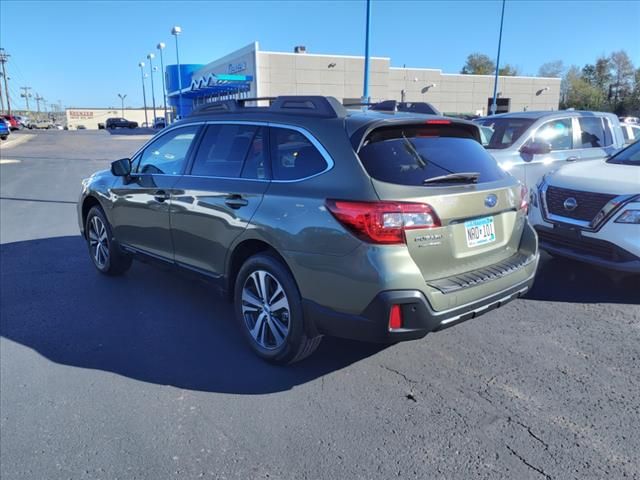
297	344
4	137
115	261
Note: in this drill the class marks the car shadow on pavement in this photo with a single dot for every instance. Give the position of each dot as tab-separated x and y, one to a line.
564	280
151	324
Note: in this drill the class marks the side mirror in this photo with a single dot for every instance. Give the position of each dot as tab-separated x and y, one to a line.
536	148
121	168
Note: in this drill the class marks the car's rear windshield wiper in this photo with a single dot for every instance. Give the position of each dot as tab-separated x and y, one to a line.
462	177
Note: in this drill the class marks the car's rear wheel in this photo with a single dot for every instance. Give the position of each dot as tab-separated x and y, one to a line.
269	310
105	253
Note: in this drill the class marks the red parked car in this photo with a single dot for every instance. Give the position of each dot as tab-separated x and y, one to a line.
14	123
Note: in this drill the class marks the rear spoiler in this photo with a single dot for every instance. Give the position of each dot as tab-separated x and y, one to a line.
358	137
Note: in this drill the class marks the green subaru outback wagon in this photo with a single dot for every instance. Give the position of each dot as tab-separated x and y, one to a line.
315	220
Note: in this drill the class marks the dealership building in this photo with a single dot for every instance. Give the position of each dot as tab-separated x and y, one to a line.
90	118
250	72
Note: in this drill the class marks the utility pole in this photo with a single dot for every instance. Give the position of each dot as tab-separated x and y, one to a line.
25	94
38	100
1	98
4	58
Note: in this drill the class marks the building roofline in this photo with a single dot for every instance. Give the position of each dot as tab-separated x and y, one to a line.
321	55
417	68
501	76
106	108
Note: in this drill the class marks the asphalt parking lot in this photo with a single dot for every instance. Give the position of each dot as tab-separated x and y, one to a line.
146	376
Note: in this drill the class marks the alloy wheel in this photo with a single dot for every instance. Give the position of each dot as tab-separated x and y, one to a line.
98	242
265	309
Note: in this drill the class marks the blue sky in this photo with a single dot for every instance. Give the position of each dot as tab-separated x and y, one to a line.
84	53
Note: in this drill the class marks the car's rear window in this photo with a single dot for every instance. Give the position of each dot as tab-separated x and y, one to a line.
411	155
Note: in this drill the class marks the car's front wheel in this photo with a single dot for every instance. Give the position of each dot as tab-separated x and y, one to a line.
269	310
106	254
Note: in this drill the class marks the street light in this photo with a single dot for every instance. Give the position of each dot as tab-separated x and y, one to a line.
175	31
144	93
160	47
365	90
494	106
122	97
426	88
150	57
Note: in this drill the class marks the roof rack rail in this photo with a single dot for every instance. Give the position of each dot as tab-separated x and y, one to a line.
359	104
308	105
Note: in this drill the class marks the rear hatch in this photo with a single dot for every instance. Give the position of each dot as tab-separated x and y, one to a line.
479	209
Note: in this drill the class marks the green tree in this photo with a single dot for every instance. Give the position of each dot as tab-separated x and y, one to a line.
602	74
508	70
631	104
478	64
578	93
551	69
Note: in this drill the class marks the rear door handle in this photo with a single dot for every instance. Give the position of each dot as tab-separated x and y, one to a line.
572	159
161	196
236	201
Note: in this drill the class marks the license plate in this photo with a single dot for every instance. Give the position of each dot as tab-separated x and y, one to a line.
480	231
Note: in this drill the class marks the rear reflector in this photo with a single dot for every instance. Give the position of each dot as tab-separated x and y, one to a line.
524	200
395	317
383	222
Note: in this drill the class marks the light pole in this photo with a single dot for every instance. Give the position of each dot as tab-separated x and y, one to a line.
160	47
365	92
175	31
144	93
122	97
494	107
150	57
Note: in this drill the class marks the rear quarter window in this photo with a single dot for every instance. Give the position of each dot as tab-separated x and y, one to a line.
293	156
411	155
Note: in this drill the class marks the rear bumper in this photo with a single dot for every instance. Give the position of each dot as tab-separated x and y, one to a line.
419	318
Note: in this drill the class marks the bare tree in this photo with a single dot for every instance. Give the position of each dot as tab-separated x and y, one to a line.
551	69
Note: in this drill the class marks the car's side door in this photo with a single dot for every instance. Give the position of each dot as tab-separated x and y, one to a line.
140	203
559	134
214	202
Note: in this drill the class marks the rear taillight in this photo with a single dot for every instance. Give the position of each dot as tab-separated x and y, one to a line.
524	199
383	222
395	317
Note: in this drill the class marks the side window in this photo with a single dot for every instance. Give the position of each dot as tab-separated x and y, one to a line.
293	156
167	155
255	163
625	133
223	150
635	133
557	133
592	134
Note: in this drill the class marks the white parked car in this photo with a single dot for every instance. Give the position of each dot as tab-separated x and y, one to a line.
590	211
631	132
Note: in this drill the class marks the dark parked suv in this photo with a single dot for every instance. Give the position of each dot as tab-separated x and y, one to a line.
120	123
318	221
